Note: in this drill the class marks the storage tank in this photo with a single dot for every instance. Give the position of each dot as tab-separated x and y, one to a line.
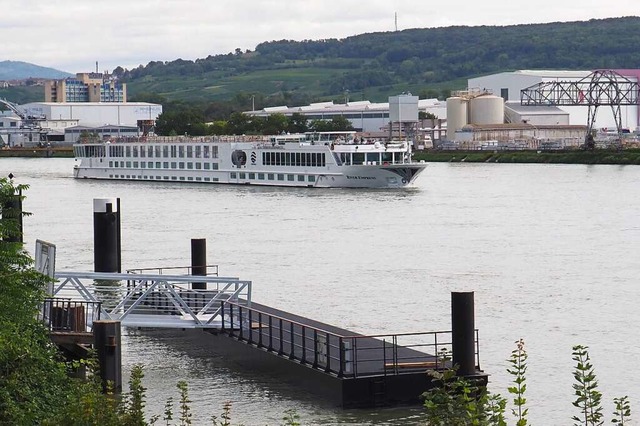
457	113
486	109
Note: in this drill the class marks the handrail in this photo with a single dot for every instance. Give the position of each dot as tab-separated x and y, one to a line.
342	355
174	268
67	315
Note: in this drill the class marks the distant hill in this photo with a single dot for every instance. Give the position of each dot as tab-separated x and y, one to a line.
16	70
428	62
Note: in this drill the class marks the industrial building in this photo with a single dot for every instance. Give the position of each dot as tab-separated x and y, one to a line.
62	119
365	116
508	86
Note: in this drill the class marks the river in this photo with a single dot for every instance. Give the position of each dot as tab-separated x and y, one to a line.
549	250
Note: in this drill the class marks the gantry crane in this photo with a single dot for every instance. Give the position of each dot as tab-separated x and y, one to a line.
601	87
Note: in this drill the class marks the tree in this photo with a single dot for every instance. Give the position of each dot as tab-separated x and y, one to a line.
33	382
298	123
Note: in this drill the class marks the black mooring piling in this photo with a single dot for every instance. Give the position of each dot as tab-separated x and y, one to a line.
106	337
199	261
106	235
463	332
12	210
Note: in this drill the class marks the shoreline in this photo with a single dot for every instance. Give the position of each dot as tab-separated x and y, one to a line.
600	156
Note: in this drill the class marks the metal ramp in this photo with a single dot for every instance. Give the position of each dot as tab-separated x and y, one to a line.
154	300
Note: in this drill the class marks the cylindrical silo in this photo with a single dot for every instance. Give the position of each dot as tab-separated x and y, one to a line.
486	109
456	115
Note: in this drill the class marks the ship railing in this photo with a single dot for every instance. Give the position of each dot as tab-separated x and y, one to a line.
341	355
155	300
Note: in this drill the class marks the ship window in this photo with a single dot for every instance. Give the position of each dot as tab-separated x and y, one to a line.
122	164
128	151
143	152
150	151
173	164
198	166
373	157
287	160
387	157
311	178
313	160
135	164
189	151
270	176
205	151
207	166
198	179
243	176
165	177
206	179
214	179
214	166
158	150
358	158
174	151
189	165
397	157
252	175
232	175
110	163
143	165
260	176
291	178
300	178
181	165
181	177
165	151
128	164
280	176
214	152
198	150
297	159
181	151
150	164
174	178
165	165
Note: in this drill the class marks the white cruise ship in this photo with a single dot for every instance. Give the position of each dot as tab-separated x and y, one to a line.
319	160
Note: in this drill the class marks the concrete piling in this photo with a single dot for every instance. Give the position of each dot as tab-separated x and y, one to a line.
106	235
463	332
106	337
199	261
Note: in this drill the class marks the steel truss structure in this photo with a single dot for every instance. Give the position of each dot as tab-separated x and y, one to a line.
601	87
150	300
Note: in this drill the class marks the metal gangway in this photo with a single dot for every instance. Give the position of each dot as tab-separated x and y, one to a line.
154	300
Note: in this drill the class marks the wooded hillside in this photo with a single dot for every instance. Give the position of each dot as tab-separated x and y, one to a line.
428	62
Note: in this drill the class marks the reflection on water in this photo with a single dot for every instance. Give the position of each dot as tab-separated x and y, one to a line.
550	251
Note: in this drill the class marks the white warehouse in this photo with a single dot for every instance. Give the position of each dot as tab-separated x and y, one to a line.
96	113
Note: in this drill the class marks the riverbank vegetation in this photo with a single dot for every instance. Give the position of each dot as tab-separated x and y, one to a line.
597	156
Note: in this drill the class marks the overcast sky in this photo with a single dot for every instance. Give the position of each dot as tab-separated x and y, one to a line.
72	35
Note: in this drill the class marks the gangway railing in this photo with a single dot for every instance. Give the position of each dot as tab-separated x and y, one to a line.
341	355
65	315
155	300
211	270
